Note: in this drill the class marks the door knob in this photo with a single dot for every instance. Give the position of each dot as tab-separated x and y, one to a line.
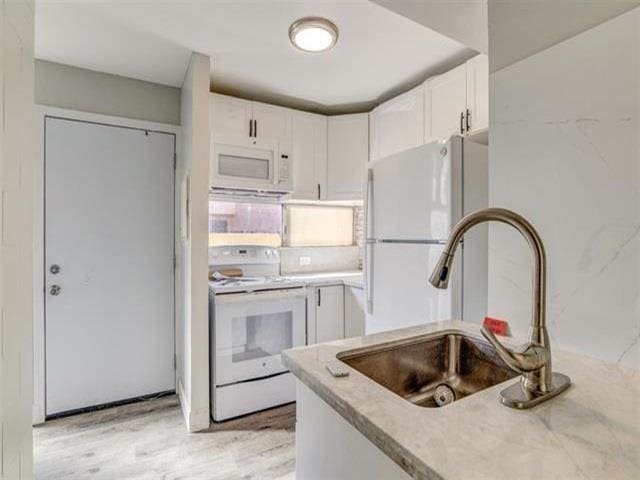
54	290
54	269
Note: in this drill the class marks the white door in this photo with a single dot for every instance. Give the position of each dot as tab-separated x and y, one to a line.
109	298
348	153
401	123
271	122
445	104
477	94
329	313
410	198
231	118
401	293
309	156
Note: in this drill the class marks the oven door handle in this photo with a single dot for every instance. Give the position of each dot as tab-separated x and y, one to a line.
261	295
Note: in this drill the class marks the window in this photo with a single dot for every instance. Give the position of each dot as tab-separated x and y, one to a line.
240	223
319	226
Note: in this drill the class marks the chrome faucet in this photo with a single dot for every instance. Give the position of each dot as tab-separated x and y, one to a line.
538	383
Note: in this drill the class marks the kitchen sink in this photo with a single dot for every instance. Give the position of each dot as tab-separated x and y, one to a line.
433	370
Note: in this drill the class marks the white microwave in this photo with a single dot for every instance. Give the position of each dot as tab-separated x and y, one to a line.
265	166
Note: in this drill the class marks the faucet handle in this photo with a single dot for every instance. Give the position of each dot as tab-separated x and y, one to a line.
531	358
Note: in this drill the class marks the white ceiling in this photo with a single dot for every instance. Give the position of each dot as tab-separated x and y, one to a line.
378	52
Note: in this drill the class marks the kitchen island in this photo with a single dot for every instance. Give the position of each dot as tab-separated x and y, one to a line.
353	427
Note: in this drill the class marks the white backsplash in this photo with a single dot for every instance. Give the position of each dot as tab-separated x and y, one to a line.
565	153
320	259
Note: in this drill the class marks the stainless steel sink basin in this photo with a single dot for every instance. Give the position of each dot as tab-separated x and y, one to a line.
434	370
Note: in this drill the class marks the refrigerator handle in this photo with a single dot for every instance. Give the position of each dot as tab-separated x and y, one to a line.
368	242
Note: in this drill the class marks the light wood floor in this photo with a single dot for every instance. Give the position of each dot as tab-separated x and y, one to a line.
148	440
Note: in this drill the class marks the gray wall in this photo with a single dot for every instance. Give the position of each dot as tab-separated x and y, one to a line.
75	88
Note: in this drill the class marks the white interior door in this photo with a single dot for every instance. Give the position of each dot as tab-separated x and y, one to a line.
109	228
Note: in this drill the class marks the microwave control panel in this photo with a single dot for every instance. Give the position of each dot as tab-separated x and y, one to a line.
284	169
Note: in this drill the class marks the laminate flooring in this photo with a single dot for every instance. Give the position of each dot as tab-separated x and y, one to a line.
148	440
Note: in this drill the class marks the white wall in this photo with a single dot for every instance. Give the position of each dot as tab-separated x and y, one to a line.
565	152
192	322
521	28
64	86
16	205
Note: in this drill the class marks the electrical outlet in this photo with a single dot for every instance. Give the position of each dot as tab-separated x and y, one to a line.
304	260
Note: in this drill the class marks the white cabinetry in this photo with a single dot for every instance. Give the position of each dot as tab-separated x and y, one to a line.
477	114
248	123
354	312
445	102
397	124
457	102
348	151
309	156
329	313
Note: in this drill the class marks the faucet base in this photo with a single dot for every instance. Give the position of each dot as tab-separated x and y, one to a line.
516	396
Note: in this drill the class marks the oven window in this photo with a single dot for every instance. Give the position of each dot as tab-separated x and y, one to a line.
259	336
243	167
244	223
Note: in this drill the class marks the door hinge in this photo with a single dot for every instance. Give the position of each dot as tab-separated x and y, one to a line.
175	160
175	262
175	362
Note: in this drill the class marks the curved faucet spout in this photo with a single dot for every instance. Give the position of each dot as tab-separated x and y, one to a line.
534	361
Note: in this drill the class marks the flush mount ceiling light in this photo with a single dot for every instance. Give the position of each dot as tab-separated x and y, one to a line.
313	34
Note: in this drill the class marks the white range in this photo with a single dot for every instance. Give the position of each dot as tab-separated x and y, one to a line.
252	319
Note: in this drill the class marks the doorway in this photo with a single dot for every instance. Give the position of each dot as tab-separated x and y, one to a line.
108	263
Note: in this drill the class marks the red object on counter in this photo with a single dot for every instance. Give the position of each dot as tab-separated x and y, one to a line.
497	326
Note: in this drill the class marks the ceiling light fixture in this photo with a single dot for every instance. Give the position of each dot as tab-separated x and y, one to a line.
313	34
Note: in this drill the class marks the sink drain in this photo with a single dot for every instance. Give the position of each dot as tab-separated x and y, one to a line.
444	395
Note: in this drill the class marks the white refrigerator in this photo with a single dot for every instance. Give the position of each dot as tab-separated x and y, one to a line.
413	200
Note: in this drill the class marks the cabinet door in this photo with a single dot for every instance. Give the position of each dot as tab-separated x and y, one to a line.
329	313
478	94
445	104
309	156
348	152
271	122
230	118
401	123
354	312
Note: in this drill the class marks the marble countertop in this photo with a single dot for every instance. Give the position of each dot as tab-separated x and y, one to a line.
590	431
351	278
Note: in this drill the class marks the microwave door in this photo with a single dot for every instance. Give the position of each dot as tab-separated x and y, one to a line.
243	166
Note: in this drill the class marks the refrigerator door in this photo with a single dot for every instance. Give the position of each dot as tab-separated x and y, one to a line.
400	293
411	194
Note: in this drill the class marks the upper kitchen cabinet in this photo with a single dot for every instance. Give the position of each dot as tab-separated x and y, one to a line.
348	151
231	117
271	122
397	124
445	103
457	102
477	114
310	156
246	123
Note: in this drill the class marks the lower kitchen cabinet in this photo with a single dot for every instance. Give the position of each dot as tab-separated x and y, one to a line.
354	312
329	313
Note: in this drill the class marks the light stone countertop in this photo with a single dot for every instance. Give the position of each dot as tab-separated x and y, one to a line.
350	278
591	431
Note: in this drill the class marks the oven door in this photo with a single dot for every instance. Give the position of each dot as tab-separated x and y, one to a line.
252	329
252	167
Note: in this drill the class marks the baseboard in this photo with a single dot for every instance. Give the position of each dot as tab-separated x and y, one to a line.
196	420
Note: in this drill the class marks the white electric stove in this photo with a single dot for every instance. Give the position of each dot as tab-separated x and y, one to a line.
253	318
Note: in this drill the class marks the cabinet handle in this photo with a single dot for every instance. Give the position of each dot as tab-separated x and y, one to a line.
468	121
318	191
251	128
461	123
255	128
319	297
